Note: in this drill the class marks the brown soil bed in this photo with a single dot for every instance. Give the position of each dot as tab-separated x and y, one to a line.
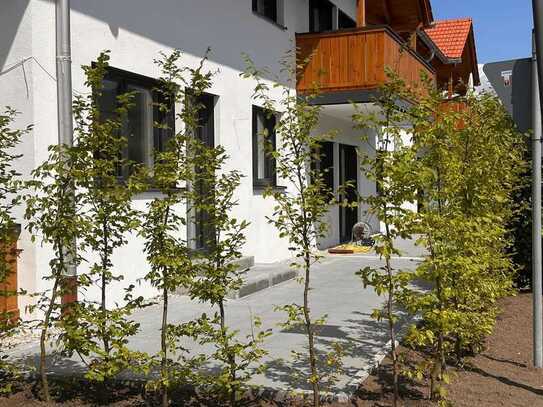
503	375
500	376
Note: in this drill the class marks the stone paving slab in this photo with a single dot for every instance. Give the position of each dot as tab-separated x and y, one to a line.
336	292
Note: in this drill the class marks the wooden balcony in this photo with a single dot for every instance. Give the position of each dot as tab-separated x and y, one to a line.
355	60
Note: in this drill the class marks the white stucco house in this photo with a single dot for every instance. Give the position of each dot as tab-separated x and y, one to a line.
352	41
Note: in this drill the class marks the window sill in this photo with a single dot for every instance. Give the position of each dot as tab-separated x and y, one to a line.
153	193
274	188
269	20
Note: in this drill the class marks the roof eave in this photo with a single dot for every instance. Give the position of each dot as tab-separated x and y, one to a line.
432	45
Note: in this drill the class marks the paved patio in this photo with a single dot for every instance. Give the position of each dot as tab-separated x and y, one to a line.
336	292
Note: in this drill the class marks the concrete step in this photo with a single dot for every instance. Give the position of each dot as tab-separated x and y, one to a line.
245	263
262	276
258	277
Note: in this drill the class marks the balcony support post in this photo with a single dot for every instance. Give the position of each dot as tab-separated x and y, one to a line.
361	13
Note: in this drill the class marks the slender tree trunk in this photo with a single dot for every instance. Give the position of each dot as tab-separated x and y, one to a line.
306	246
439	286
441	338
466	206
439	357
43	339
390	313
105	339
392	333
439	367
163	346
391	295
105	264
457	338
231	358
164	330
310	333
104	315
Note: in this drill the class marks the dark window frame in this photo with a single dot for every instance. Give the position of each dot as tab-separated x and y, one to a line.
345	21
270	117
270	12
272	16
161	136
323	163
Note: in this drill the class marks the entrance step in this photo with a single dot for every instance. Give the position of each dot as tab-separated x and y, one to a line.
245	263
258	277
262	276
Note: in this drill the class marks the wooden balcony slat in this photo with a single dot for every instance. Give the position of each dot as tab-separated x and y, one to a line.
355	59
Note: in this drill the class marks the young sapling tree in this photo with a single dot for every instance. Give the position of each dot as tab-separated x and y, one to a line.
300	209
391	165
55	217
213	194
168	251
10	198
469	158
95	331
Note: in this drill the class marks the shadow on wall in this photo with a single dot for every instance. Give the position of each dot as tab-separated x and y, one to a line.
230	31
11	16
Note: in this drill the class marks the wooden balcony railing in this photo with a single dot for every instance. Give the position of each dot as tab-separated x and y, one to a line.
355	59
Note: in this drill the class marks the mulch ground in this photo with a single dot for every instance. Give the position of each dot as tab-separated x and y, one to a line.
500	376
503	375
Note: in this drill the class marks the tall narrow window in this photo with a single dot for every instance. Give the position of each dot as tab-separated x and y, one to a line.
267	8
204	232
264	123
143	137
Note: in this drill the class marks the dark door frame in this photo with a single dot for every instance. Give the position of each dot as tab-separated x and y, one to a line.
348	172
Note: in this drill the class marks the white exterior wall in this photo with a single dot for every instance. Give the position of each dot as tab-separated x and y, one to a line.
17	92
135	31
406	140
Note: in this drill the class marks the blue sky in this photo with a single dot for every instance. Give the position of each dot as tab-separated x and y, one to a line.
503	29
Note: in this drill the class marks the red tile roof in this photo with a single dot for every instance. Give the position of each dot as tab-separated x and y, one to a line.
450	35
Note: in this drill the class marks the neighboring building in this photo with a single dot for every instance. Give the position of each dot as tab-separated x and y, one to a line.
512	81
352	41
